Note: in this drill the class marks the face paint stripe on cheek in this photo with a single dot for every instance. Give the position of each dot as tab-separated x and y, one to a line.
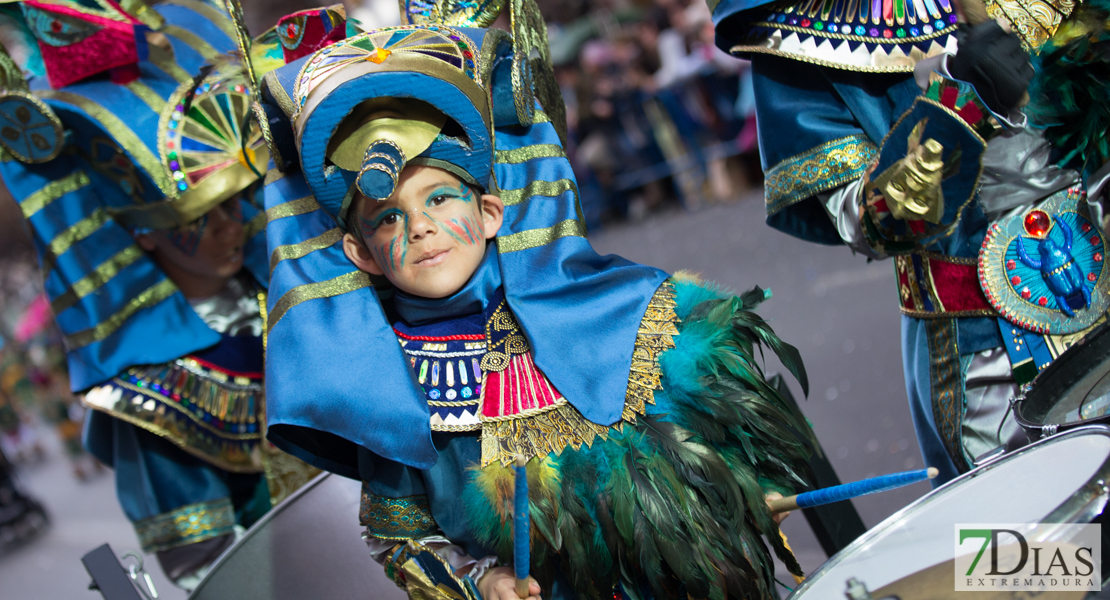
472	229
457	231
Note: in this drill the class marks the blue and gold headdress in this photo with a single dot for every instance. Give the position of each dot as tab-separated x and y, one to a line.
116	174
325	317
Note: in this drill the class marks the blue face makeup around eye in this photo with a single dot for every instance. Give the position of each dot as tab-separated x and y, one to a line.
378	220
187	238
462	193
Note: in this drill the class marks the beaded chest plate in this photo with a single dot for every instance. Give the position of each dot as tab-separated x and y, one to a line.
1044	269
449	369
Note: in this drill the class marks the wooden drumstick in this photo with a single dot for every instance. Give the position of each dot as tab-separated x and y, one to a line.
862	487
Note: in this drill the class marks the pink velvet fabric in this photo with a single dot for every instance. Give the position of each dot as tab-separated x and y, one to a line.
518	389
112	47
316	33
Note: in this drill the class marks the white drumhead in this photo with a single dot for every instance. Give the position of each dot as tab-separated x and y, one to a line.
1021	488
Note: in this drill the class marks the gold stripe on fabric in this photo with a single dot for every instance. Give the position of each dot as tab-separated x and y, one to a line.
540	116
293	251
191	40
527	153
533	238
52	191
75	233
355	280
147	95
292	208
256	224
538	188
167	62
188	524
218	17
121	133
272	175
151	296
91	282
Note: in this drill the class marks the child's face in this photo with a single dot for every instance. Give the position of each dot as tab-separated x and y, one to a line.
429	237
210	247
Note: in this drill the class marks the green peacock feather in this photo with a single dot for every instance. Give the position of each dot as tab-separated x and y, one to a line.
1071	88
671	506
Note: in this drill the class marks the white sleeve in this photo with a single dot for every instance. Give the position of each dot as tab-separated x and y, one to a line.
842	206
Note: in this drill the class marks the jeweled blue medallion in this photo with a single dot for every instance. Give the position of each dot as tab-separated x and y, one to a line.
1043	270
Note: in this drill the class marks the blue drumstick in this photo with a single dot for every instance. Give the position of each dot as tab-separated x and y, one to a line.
863	487
521	535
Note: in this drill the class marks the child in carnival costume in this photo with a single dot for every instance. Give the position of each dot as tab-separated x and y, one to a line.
877	134
136	166
436	310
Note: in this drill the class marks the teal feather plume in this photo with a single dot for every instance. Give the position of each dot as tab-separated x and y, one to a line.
673	504
1070	89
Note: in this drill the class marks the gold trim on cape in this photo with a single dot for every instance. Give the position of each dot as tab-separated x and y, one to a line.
302	249
538	187
149	297
292	208
527	153
355	280
50	192
534	238
70	236
96	278
188	524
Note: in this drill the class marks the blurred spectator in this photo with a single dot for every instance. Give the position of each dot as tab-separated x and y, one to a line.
655	110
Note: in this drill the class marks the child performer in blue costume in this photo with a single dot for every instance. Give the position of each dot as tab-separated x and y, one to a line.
138	186
877	134
435	310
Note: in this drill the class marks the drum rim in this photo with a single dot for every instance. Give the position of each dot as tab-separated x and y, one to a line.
257	526
1099	340
1100	475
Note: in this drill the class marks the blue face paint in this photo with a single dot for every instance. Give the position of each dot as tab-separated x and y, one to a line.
187	237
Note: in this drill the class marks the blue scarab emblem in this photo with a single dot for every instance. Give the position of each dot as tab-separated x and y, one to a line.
1060	272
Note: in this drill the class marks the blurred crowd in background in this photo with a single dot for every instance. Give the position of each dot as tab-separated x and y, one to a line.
656	112
657	116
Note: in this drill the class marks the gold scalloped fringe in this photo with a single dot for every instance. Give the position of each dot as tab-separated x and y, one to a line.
553	430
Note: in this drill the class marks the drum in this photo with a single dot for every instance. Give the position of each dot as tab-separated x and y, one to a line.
1074	390
1059	479
309	546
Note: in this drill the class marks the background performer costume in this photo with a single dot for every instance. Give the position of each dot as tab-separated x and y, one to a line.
124	130
872	135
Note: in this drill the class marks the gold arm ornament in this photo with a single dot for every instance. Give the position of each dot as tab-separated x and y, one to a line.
912	186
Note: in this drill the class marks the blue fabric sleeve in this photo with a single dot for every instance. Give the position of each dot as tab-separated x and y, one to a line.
819	128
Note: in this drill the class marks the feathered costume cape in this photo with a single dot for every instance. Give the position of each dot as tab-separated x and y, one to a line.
673	499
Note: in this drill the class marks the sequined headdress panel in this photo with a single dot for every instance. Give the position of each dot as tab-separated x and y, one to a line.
429	65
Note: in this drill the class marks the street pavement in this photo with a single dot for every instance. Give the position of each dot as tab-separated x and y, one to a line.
839	310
